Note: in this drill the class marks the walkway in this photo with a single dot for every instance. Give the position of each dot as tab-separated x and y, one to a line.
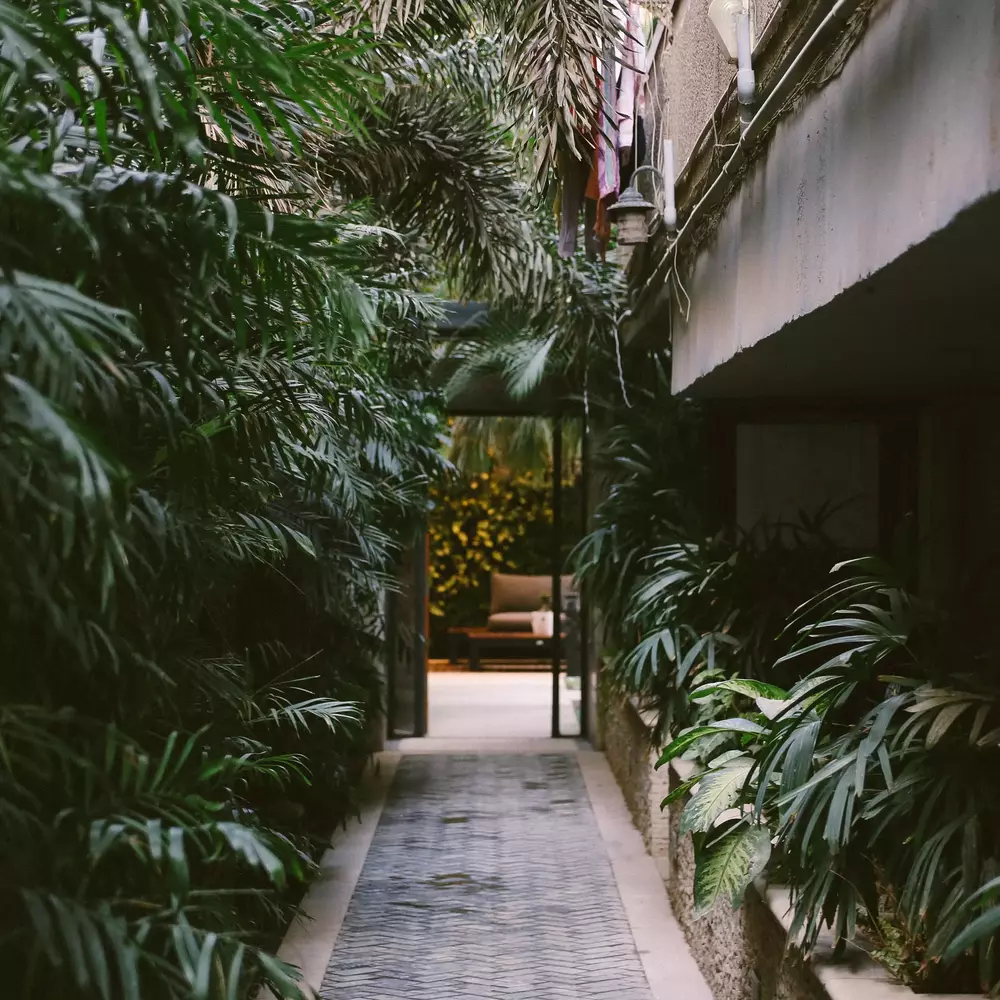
491	879
513	872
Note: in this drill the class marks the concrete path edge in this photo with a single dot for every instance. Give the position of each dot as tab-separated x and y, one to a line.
670	968
310	939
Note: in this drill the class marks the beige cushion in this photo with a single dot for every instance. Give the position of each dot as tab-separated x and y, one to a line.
511	592
510	621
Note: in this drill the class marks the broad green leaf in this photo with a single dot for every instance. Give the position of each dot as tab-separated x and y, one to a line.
739	685
717	791
692	736
984	925
772	708
944	720
730	866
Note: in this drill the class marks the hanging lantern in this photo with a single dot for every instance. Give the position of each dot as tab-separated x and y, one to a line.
630	214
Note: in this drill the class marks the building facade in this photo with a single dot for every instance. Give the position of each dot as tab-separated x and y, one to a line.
831	290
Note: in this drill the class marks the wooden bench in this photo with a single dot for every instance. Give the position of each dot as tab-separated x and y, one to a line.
477	638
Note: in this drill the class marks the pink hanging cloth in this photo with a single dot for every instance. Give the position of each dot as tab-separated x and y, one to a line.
608	168
630	85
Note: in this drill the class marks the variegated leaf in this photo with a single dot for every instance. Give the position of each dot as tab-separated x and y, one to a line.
729	867
717	791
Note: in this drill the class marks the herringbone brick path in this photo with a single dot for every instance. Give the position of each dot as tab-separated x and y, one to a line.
487	878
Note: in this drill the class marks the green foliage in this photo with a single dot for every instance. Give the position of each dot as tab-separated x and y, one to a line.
513	444
547	61
218	218
649	458
703	611
856	729
126	860
214	441
874	774
729	865
558	321
718	789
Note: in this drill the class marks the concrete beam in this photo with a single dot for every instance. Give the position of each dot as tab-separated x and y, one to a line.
886	156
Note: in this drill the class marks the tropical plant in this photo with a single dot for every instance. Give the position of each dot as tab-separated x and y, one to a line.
514	445
548	54
216	435
709	609
872	776
647	454
200	421
559	324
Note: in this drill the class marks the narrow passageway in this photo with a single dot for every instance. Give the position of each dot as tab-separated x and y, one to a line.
489	876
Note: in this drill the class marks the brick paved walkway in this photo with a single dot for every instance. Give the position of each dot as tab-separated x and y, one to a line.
487	877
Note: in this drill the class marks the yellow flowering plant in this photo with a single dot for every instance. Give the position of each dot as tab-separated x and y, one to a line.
486	523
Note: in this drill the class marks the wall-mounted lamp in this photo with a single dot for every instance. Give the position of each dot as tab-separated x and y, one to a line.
631	209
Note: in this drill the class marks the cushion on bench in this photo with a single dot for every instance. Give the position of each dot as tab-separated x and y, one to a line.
511	592
510	621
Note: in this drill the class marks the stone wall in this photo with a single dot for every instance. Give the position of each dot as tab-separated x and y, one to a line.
741	953
632	758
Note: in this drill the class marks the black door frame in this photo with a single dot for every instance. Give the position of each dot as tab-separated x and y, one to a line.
413	591
557	604
420	679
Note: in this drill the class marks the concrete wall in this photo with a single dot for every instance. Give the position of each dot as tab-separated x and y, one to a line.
632	756
887	154
690	75
741	953
783	470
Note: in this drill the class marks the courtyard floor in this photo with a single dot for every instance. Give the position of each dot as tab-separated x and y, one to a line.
498	704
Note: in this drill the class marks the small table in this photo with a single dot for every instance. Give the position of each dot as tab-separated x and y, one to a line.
479	637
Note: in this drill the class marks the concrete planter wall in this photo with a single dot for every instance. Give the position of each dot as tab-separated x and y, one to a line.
632	757
741	953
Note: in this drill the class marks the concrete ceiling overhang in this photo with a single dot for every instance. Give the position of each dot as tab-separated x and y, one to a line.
927	324
855	254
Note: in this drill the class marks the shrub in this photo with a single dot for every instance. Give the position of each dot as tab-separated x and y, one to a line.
874	777
211	449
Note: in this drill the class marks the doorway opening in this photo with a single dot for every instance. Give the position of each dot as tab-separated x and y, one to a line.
499	535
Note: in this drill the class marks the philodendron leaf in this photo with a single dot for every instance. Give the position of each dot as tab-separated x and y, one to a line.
717	791
771	708
705	749
730	866
724	758
691	736
740	685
